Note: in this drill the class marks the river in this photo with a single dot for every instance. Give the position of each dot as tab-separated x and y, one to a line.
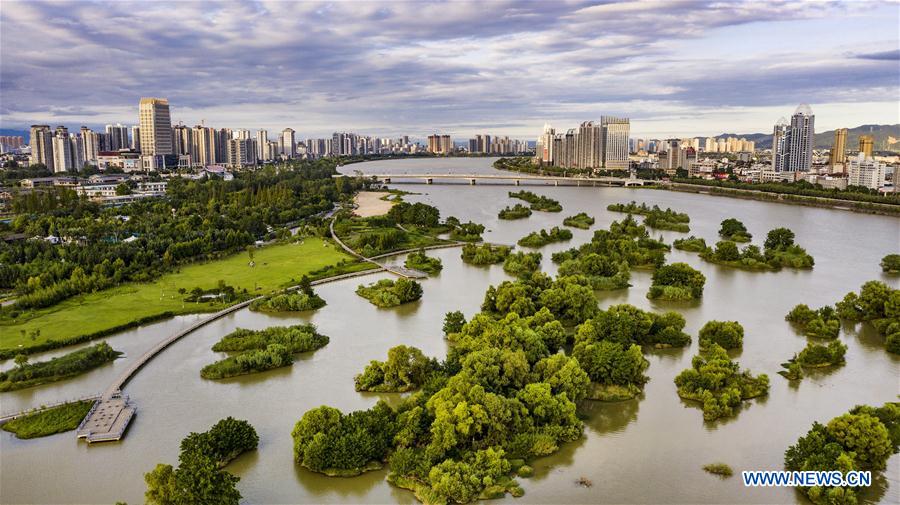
647	450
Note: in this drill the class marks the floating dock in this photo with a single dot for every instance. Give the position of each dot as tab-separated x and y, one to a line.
107	420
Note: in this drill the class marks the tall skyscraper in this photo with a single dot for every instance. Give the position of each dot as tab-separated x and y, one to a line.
615	142
866	145
136	138
545	144
90	145
839	148
156	126
182	141
202	146
41	140
262	138
779	148
589	146
117	137
62	151
288	143
799	140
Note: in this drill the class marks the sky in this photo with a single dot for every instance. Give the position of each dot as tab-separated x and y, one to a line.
676	68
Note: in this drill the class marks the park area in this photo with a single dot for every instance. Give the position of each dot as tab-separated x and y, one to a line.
274	267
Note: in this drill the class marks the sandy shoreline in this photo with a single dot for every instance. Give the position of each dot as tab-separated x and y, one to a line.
369	203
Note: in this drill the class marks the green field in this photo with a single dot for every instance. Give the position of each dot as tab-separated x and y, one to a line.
275	267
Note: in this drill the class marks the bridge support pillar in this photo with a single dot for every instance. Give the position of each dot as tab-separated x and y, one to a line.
429	181
518	182
556	182
472	182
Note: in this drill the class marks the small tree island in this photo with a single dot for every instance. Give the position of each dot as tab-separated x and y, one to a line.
735	231
678	281
543	237
538	202
485	254
890	264
518	211
862	439
418	260
388	293
718	383
580	220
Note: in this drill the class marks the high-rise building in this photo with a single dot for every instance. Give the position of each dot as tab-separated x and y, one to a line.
90	145
183	143
866	145
615	142
798	141
779	148
288	143
865	171
136	138
41	140
222	136
838	149
545	144
589	146
76	147
262	138
440	144
241	152
117	137
156	127
62	151
203	151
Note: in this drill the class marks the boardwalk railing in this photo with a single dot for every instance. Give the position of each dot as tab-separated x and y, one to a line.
5	418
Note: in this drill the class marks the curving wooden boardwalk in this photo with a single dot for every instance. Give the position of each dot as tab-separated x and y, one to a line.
401	271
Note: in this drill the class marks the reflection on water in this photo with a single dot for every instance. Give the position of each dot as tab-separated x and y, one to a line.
654	457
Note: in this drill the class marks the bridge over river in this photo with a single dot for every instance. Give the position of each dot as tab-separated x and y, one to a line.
514	179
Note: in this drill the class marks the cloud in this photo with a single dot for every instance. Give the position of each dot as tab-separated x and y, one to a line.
413	67
883	55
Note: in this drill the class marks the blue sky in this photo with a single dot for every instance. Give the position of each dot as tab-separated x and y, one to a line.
677	68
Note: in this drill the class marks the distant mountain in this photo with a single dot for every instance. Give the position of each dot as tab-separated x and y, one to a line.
887	137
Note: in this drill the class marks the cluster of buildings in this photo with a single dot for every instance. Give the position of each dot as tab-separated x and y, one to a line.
709	145
487	144
156	144
590	146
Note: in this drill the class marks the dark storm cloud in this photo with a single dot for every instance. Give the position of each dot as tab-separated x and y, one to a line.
419	65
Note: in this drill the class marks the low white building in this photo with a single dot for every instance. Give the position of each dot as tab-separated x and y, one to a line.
865	172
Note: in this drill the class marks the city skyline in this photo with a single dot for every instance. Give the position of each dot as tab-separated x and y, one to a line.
675	68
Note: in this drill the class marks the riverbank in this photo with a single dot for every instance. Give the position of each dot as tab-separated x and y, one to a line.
372	203
99	314
810	201
767	196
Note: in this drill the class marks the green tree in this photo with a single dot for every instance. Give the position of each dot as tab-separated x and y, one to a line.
728	334
453	322
779	239
891	263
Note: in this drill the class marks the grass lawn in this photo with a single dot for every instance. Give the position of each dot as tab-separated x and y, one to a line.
274	268
50	421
